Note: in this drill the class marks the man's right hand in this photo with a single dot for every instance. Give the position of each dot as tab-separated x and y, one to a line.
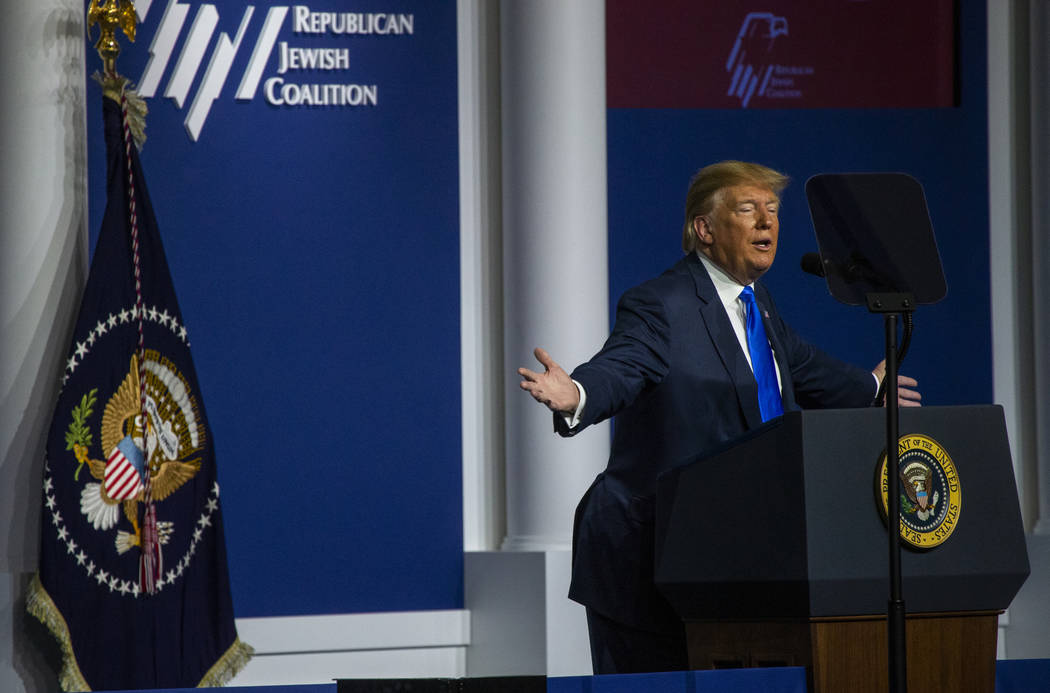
553	387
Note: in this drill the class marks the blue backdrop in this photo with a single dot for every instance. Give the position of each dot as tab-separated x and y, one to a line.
315	252
654	152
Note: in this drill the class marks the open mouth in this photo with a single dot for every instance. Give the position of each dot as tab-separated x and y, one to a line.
765	244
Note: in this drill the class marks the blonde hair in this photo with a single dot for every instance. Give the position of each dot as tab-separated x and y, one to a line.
705	190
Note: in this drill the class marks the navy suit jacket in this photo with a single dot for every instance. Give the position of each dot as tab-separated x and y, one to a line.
675	377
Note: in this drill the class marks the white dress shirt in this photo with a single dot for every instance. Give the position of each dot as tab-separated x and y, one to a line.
728	290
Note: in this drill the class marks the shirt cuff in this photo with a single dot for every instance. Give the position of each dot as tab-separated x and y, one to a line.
574	420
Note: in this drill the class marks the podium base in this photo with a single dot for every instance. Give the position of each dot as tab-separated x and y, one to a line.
945	652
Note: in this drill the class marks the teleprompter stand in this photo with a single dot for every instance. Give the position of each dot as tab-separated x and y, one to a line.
874	232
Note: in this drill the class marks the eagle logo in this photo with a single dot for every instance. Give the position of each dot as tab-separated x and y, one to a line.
748	60
917	483
930	491
160	437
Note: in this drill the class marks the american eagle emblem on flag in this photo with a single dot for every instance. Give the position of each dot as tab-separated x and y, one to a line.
166	439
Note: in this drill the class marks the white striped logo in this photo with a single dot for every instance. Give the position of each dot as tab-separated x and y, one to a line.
198	40
192	55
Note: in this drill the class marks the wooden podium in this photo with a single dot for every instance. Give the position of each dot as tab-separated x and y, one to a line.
774	553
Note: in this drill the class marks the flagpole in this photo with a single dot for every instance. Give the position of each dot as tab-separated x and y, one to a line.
111	15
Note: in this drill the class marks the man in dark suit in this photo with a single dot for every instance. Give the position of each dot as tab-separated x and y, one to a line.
686	368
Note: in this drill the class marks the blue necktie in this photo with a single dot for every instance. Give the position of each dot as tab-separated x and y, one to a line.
761	359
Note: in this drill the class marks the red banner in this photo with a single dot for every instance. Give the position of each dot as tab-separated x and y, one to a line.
780	54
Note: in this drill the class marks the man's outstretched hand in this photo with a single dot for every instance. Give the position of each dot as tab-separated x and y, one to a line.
553	387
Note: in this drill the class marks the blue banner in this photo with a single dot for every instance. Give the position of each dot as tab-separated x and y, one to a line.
309	198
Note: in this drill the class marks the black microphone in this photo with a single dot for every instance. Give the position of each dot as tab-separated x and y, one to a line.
812	264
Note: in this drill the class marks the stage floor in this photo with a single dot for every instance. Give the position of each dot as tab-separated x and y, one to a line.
1011	676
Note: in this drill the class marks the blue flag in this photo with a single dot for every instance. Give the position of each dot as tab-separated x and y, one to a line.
133	578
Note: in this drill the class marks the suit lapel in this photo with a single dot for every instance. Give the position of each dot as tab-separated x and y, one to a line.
726	344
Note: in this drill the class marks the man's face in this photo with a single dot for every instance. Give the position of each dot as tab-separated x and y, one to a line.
740	236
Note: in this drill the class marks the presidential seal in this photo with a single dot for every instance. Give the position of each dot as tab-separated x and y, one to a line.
127	424
930	492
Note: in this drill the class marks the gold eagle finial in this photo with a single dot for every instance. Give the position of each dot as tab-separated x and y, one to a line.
109	15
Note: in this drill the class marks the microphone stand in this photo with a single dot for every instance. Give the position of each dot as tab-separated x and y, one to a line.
890	305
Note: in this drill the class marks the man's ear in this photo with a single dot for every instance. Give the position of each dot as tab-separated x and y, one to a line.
702	229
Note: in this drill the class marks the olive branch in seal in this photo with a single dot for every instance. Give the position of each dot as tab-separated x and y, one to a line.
78	435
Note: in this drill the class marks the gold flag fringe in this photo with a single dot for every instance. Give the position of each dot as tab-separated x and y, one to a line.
223	671
113	86
39	604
